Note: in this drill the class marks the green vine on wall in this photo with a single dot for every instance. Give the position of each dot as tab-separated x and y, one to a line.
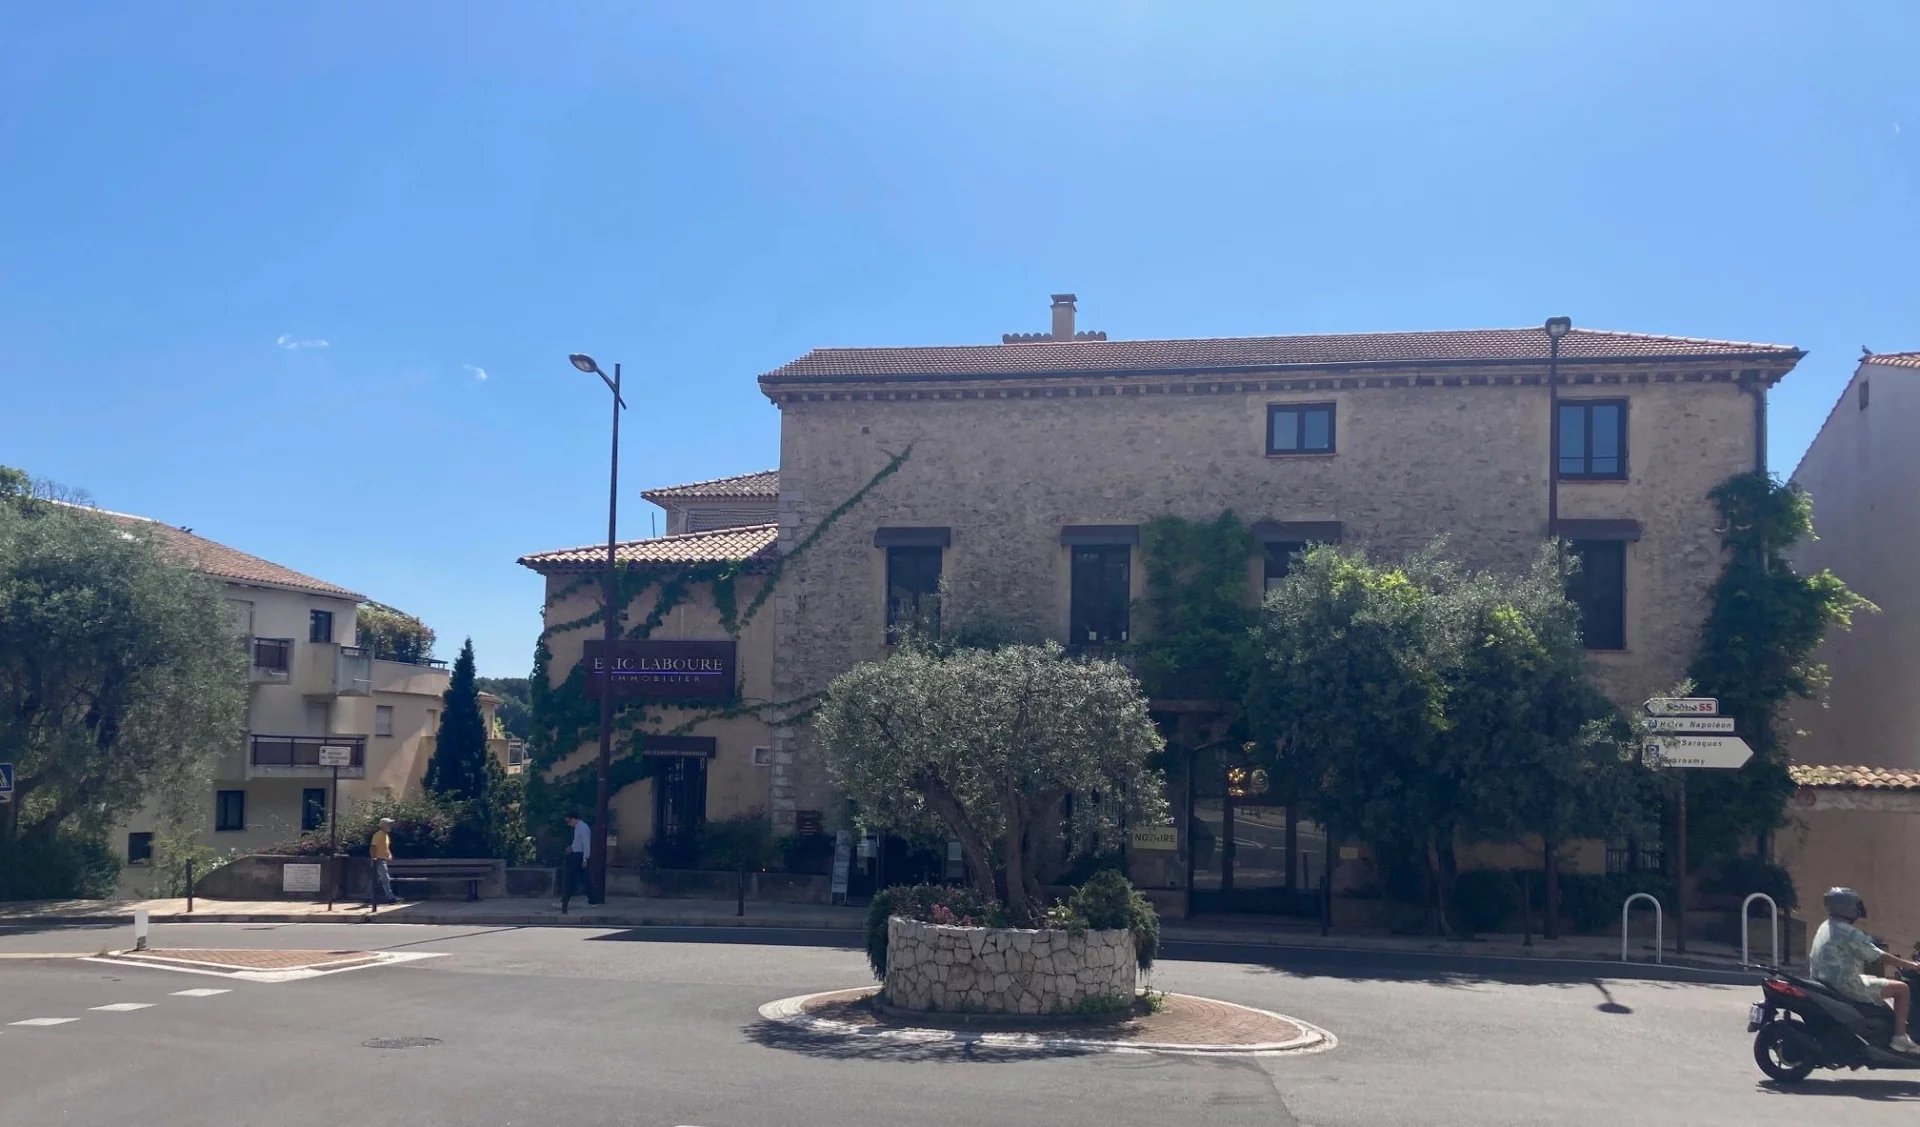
565	717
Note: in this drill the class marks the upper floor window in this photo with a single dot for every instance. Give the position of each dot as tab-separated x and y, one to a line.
1599	588
1101	600
913	590
383	720
1593	439
320	626
1300	428
229	810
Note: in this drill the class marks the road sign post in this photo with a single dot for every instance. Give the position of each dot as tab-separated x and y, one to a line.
1667	718
336	757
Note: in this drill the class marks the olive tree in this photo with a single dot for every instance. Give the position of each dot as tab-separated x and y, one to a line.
121	678
985	744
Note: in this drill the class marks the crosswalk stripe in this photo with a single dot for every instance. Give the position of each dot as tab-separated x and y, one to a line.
44	1021
123	1007
202	992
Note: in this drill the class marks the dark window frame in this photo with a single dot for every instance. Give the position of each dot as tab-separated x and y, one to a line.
312	800
1603	615
1866	387
1277	561
1300	411
140	848
918	605
1586	409
1089	625
319	626
229	811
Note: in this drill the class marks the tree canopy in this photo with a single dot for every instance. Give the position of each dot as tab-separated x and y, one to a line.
985	744
120	672
392	635
516	708
1415	704
458	767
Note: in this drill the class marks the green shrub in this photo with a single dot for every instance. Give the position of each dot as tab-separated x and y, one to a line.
423	826
1108	900
1086	865
1484	899
1743	876
741	843
58	868
1591	902
806	853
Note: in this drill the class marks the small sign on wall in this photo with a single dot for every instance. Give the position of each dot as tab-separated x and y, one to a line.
300	878
1156	837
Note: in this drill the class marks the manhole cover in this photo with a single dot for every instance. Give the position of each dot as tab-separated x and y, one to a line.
400	1042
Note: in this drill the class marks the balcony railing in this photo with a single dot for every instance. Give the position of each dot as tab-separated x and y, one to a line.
298	754
331	670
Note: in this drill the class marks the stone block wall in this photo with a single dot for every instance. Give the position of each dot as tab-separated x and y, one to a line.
1005	970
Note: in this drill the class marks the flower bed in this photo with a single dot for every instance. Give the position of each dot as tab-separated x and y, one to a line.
994	970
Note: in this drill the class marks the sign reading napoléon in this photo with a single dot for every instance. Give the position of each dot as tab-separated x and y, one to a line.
651	669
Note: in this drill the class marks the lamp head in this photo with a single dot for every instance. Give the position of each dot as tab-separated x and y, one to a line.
1557	327
584	362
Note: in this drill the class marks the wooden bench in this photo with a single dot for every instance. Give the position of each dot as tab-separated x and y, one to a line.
430	869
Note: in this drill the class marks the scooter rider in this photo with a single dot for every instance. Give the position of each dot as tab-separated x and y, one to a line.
1841	955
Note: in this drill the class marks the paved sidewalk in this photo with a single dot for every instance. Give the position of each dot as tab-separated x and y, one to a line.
516	911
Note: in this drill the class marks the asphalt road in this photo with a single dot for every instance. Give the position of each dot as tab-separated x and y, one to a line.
578	1027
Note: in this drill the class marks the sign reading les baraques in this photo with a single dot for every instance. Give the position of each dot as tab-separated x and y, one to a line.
648	669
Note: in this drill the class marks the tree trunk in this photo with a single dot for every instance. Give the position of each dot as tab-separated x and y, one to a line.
1442	869
979	854
1019	898
1551	927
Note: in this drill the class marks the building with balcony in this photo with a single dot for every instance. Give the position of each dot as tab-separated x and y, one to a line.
1036	461
308	688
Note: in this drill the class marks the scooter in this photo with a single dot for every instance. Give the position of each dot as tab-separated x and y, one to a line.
1800	1025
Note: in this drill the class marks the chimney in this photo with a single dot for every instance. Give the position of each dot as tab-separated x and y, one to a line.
1063	316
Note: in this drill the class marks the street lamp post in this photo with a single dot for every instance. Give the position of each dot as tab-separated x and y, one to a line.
1556	328
603	789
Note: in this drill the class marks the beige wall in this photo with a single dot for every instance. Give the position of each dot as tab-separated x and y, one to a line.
1005	471
1863	471
1876	852
734	784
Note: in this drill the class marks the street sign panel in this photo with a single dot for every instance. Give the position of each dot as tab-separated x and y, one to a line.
333	755
1714	752
6	778
1690	724
1683	706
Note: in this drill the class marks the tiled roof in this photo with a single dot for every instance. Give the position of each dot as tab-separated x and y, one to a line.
750	542
1860	778
1255	353
212	558
760	483
1894	359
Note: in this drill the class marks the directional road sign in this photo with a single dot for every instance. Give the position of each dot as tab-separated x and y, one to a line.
6	782
1690	724
1683	706
1715	752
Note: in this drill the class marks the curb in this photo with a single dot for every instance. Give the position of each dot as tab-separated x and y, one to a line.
791	1012
727	922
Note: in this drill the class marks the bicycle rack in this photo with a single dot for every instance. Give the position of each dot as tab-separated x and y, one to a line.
1774	922
1626	906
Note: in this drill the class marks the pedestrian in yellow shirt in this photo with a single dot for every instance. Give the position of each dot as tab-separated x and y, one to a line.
381	850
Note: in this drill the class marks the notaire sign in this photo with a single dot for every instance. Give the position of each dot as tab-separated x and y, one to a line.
663	670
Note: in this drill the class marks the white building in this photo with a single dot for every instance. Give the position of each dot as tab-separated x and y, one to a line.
308	685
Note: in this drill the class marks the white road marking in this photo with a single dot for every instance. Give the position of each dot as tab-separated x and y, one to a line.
45	1021
123	1007
381	959
200	993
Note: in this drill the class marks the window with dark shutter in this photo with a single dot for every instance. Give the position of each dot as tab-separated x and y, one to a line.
1100	602
230	810
313	808
1599	588
913	590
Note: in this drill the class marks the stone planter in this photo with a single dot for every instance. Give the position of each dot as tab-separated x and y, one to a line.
990	970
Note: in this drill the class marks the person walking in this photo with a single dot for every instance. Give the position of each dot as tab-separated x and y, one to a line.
380	849
573	865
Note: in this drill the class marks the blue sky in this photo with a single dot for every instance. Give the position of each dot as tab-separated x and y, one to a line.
197	195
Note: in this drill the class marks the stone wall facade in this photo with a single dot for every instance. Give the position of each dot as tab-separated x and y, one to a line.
1005	970
1452	452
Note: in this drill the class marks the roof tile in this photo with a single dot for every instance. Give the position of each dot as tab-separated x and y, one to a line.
748	542
209	557
760	483
1253	353
1861	778
1894	359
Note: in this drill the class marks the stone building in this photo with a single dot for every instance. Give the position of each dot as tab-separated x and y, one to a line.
1034	462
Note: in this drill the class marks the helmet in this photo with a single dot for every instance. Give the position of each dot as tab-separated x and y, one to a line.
1844	903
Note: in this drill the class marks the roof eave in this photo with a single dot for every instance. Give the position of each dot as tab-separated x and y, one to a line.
1786	357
